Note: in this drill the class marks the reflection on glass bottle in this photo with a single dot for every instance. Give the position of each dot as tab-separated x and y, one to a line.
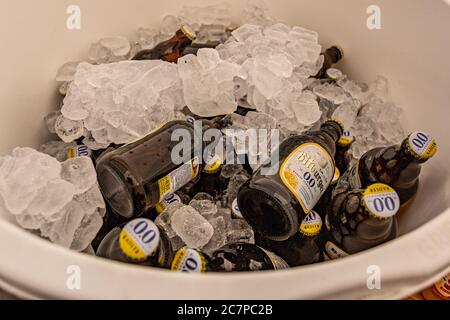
331	56
304	247
245	257
137	242
397	166
360	219
136	177
274	205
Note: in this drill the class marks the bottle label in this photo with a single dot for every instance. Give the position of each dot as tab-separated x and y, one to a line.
178	178
333	251
307	172
422	145
311	224
139	239
235	209
167	201
336	176
381	201
188	260
277	262
79	151
443	287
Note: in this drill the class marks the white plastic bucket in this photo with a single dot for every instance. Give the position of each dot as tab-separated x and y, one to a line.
411	49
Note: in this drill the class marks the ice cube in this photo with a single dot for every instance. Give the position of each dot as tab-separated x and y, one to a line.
80	172
109	50
208	83
68	130
307	111
219	238
120	102
347	112
206	208
50	120
240	231
57	149
203	196
169	25
23	174
191	227
67	72
332	93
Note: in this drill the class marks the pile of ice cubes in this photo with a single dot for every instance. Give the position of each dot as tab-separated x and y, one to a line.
264	65
61	201
207	223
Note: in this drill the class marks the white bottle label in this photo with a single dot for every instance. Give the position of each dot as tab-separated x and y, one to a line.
308	172
178	178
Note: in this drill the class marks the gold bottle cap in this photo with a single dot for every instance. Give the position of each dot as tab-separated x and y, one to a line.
346	140
380	201
338	122
189	260
214	165
421	145
311	224
188	32
334	74
231	28
139	239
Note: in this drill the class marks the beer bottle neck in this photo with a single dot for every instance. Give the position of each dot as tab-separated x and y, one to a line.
333	129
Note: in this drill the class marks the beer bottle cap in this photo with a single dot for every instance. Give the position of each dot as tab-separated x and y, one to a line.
311	224
167	201
213	165
235	209
79	151
346	140
336	176
188	32
381	201
338	122
139	239
231	28
188	260
421	145
334	74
